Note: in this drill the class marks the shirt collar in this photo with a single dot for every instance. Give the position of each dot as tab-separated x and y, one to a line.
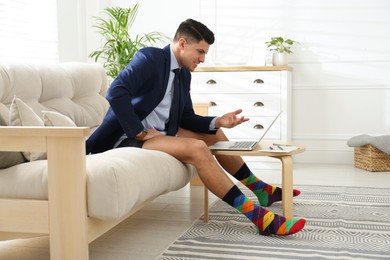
174	63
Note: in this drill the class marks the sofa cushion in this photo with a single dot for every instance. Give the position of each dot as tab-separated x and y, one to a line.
52	118
23	115
8	159
132	176
74	89
118	180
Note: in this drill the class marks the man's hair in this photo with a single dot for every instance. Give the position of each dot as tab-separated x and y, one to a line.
194	31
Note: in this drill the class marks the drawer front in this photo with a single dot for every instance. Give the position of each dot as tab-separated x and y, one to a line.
252	105
236	82
255	128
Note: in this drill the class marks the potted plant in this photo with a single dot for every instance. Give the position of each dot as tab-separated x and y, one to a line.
119	46
280	47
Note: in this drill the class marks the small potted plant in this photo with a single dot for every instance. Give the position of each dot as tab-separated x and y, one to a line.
280	48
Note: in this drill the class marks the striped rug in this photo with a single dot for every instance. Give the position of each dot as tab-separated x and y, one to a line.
342	223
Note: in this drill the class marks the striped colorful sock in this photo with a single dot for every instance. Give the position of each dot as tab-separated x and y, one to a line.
265	193
267	222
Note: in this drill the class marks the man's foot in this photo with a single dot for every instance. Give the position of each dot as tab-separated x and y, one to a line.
268	222
265	193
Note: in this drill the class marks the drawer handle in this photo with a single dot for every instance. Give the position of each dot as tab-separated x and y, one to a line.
213	104
258	104
258	81
211	82
258	126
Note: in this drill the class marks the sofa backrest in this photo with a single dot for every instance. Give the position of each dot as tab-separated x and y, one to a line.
76	90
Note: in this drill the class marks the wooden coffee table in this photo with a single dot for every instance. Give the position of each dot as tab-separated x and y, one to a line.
287	172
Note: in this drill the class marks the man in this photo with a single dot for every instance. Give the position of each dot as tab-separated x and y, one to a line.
144	112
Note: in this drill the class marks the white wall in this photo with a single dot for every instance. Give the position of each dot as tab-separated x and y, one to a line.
160	16
71	30
341	79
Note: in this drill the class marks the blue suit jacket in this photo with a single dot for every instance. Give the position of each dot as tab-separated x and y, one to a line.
136	92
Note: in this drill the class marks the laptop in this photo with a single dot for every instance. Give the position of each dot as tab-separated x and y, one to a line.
240	145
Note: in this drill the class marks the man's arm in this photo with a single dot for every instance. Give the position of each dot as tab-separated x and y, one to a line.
194	122
133	84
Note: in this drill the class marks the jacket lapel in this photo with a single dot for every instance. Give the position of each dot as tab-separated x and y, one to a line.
167	63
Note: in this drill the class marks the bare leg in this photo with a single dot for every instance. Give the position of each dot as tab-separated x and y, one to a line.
231	164
195	152
266	194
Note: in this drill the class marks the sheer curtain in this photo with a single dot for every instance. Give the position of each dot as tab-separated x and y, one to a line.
28	31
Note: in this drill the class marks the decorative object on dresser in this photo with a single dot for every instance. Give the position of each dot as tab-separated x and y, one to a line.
262	92
281	48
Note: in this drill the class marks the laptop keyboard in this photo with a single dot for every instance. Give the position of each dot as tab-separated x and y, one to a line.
242	144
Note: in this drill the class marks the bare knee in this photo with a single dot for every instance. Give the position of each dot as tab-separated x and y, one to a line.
199	151
200	148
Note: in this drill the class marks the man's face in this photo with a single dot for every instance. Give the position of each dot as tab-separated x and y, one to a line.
191	54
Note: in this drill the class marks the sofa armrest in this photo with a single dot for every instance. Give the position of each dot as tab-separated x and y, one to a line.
67	204
14	138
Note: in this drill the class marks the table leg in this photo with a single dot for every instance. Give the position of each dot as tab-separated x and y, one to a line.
206	205
287	186
196	181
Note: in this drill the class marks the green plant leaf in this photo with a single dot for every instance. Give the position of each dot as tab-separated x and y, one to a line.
118	48
279	44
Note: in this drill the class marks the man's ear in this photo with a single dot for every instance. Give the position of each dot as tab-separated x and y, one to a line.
181	43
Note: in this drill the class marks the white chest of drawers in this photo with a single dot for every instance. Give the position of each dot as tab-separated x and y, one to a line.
262	92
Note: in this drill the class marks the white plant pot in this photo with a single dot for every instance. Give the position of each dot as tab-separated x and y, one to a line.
279	59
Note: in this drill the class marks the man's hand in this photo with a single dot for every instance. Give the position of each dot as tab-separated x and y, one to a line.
152	133
147	134
230	120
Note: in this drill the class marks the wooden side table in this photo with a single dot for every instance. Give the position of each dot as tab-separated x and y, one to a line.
285	158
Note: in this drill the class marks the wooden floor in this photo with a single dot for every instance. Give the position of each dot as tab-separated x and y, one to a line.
149	232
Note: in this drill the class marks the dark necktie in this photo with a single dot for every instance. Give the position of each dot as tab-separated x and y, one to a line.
173	122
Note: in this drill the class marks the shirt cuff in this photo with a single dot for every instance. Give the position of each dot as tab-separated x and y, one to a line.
212	124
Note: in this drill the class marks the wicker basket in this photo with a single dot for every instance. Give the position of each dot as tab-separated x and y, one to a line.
371	159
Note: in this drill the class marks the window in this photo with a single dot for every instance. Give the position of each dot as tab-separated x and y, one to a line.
28	31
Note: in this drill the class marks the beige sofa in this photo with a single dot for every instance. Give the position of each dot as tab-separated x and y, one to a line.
58	190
